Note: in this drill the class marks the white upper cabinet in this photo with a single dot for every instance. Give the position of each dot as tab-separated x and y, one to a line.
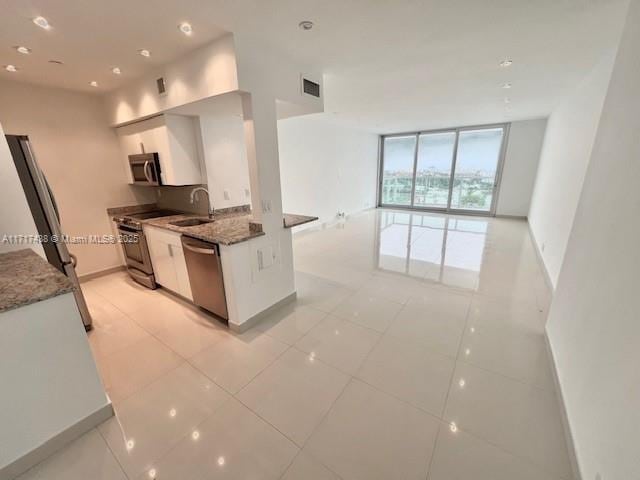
175	139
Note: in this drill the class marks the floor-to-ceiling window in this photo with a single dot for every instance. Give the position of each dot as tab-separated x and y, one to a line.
450	170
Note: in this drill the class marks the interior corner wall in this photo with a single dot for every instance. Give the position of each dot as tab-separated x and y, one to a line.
326	168
80	156
568	141
520	166
593	325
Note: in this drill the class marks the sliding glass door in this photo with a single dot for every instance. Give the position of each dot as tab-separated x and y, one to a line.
477	160
397	172
450	170
433	169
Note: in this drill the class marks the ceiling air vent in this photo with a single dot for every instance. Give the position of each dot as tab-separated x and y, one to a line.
162	88
310	88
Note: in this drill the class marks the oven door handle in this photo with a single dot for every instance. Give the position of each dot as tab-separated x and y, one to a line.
128	229
147	175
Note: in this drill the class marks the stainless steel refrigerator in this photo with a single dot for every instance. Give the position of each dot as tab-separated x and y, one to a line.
46	216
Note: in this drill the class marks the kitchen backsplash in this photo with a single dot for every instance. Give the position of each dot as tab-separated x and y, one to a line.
178	198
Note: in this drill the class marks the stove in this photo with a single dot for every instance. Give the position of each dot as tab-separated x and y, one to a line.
134	244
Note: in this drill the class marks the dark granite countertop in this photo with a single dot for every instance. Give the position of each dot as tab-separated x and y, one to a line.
227	229
230	226
26	277
291	220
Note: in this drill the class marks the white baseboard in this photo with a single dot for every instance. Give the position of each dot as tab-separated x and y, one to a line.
244	326
100	273
545	272
55	443
568	435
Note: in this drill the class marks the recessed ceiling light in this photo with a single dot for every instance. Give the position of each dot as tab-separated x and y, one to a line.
506	85
186	28
506	63
116	71
144	52
11	68
42	22
306	25
93	84
23	50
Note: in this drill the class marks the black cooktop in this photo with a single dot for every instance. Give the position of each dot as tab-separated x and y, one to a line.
153	214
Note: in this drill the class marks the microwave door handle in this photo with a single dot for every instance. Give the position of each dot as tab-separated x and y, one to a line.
146	172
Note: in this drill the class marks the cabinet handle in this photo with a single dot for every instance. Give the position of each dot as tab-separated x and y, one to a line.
170	250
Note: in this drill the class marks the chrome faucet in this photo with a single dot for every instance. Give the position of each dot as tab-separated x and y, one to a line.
195	191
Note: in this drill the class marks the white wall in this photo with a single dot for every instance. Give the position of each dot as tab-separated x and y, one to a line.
326	168
565	155
520	166
593	324
225	157
80	156
210	70
15	216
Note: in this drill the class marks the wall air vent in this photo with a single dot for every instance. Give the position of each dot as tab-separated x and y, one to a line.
310	88
162	88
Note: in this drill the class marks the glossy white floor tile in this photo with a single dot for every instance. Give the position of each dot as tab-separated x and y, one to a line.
460	456
339	343
415	349
132	368
233	363
369	310
150	423
291	322
371	435
294	393
305	467
410	372
438	331
234	443
519	418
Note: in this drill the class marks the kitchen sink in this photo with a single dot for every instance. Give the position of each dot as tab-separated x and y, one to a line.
191	222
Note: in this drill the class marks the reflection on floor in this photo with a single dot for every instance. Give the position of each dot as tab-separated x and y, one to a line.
415	350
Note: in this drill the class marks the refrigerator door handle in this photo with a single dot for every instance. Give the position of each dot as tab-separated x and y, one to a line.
53	199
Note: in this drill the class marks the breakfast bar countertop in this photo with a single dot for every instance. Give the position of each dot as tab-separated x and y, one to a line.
291	220
26	278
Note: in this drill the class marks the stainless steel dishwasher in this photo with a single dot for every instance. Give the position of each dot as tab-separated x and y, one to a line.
205	275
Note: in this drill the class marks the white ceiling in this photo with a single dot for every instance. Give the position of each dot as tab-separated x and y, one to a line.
390	66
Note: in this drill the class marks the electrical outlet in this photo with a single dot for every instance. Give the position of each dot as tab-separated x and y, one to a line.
247	192
227	195
266	206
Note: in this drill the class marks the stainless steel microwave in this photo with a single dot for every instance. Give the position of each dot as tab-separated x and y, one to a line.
145	169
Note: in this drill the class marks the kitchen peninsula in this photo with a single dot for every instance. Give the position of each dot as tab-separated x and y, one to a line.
225	245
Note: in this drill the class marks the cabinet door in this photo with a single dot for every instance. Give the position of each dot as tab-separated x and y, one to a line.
162	254
184	287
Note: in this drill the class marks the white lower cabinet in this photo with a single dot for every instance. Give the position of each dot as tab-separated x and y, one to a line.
167	257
